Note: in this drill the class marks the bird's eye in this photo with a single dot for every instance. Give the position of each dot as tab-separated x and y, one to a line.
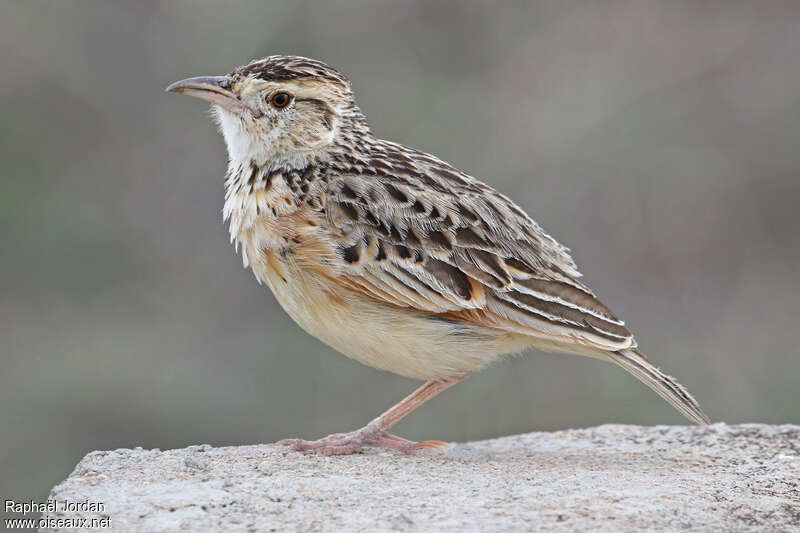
280	99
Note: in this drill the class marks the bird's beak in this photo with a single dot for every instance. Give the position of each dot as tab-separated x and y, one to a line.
214	89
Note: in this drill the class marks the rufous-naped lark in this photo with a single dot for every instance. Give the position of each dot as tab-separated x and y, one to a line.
390	255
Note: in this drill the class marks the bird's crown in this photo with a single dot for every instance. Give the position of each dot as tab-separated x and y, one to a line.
284	68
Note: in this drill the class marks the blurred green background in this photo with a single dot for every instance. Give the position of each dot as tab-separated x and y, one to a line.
660	140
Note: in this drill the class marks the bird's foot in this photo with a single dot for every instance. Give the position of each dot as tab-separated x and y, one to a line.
353	442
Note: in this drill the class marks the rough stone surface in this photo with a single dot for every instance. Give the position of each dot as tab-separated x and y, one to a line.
609	478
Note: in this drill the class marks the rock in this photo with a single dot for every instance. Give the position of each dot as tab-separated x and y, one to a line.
609	478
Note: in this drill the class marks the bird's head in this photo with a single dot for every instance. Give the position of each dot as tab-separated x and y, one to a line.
283	110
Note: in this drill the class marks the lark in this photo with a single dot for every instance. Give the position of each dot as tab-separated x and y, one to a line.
390	255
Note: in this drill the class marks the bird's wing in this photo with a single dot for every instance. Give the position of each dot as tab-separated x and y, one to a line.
417	233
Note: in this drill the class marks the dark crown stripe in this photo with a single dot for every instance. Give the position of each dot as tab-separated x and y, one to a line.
283	68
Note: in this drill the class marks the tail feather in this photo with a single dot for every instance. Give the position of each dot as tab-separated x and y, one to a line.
665	386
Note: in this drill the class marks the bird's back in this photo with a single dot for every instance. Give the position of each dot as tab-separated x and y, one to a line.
413	231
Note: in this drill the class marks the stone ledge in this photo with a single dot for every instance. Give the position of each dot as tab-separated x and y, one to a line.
609	478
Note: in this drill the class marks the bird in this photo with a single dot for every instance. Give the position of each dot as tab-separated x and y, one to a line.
390	255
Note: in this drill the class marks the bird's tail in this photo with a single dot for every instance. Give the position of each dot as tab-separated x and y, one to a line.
635	362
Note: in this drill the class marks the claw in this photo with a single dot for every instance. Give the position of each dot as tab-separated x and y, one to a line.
433	444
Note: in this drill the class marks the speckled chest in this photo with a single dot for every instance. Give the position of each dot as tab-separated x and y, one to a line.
270	210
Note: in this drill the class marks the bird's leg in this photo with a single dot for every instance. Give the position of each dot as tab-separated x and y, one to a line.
376	432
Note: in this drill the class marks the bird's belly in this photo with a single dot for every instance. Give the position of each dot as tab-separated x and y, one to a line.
409	343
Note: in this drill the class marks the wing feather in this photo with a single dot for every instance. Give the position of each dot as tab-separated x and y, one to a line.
422	235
